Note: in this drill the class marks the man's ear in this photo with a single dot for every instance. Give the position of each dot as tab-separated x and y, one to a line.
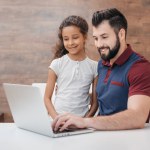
122	34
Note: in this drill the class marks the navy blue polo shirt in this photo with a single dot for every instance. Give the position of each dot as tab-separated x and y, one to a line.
113	85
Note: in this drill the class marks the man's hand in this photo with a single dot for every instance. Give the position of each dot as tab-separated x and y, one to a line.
66	121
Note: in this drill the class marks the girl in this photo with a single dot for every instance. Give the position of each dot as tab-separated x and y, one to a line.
73	72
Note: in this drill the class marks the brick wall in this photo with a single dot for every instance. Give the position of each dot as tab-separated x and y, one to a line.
28	32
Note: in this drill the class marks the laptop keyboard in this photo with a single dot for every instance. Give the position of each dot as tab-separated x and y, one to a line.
66	130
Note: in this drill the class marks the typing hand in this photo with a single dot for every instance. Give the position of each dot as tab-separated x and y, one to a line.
67	121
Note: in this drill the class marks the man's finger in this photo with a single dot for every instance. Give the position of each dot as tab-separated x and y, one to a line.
55	120
65	126
61	120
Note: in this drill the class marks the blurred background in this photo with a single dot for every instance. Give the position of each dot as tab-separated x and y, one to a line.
28	33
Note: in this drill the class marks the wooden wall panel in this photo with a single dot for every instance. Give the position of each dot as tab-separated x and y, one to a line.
28	32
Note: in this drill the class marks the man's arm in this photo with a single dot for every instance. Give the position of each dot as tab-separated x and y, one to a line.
134	117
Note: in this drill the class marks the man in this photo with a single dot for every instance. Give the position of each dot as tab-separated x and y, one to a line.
123	88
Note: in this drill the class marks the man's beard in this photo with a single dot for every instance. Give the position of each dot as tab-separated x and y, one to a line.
112	52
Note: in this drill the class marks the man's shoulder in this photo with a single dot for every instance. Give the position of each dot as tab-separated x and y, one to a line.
139	70
141	64
139	78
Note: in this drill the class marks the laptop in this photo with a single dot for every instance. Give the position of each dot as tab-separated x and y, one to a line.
29	112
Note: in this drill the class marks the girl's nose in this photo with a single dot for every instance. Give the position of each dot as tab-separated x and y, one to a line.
70	42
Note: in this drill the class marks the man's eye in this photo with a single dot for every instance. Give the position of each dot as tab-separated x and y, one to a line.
105	37
95	39
65	39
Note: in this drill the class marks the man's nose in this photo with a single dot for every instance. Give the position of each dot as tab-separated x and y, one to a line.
99	44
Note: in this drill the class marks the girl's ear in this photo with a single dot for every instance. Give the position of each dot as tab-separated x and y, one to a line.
122	34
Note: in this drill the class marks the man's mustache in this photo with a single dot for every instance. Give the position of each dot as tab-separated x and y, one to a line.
101	48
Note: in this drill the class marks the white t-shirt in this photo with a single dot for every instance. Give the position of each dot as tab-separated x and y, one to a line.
73	80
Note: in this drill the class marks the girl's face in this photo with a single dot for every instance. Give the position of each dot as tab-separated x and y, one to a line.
73	39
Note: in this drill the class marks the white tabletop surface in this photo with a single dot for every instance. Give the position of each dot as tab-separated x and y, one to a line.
13	138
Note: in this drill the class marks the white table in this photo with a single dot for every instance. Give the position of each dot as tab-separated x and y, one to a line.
13	138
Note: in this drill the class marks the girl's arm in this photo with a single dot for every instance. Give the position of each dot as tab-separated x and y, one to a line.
94	102
50	87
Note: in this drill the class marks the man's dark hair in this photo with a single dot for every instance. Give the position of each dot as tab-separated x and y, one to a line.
115	18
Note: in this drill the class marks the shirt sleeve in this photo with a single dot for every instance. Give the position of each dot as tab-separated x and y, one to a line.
55	66
139	78
95	65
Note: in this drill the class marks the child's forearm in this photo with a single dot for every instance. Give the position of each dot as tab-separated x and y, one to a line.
94	103
53	114
50	108
92	110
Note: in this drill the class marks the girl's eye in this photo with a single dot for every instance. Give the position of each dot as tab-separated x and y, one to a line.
75	37
65	39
